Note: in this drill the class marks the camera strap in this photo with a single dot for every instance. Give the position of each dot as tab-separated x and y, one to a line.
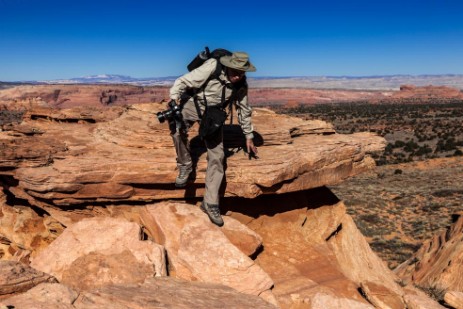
198	109
223	104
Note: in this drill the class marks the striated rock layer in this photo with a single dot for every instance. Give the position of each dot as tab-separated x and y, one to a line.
155	293
288	95
95	189
79	156
437	264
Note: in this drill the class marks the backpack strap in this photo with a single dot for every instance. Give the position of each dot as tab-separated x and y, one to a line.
216	75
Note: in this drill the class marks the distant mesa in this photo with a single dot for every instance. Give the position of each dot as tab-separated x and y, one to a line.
377	82
67	95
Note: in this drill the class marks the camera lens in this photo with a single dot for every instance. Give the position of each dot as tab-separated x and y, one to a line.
161	117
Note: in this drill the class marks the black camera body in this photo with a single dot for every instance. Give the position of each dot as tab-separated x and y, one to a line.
174	112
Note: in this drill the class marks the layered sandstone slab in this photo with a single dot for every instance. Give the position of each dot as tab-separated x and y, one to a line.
123	154
285	92
169	293
16	277
454	299
437	264
153	294
43	296
101	251
314	253
200	251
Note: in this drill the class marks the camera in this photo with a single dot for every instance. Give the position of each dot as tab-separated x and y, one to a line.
174	112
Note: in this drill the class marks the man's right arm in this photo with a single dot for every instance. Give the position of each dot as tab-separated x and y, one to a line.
194	79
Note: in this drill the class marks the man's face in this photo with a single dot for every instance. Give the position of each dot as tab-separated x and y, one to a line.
235	75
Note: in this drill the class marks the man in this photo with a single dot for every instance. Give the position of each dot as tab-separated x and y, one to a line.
215	83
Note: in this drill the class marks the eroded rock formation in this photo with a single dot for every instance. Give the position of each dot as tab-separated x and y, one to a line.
437	266
68	96
89	198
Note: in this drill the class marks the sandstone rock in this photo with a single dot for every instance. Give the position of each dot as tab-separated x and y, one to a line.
364	265
326	301
16	277
427	93
454	299
199	251
436	265
75	157
67	96
100	251
282	93
23	231
43	296
294	254
312	247
417	299
417	302
381	297
168	293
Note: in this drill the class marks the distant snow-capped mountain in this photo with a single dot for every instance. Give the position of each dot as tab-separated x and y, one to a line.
114	79
377	82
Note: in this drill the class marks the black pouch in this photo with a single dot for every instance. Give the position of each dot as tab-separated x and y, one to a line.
212	122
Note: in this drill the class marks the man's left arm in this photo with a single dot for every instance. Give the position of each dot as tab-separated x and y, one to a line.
244	119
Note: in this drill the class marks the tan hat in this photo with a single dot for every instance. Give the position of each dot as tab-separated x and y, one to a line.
238	61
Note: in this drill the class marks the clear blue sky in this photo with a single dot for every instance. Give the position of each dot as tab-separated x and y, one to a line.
50	39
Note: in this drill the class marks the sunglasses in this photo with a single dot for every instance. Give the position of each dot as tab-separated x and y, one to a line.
236	72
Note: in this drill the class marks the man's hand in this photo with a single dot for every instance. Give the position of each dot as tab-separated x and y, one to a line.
177	101
252	149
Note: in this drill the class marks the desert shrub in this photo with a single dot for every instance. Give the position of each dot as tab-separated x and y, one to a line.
434	292
410	146
389	148
423	150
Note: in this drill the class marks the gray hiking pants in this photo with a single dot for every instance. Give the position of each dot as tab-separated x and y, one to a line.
215	152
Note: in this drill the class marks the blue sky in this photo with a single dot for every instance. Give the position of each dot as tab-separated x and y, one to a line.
43	40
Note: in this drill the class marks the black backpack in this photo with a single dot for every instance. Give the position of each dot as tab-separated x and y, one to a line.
216	54
205	55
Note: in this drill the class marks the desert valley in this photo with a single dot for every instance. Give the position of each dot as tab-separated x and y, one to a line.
356	201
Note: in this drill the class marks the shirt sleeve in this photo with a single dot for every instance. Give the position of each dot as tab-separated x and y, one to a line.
194	79
244	114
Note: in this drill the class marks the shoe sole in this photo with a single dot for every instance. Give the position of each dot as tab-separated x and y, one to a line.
205	211
177	185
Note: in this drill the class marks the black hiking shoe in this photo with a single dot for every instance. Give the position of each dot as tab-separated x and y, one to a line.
184	173
213	212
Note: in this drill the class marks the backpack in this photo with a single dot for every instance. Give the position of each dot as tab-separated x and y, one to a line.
205	55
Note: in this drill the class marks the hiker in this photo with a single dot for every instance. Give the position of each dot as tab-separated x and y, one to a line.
204	93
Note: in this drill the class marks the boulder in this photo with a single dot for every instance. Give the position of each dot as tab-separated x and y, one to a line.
416	299
454	299
16	277
312	247
329	301
419	302
168	293
436	265
198	250
101	251
381	297
24	232
43	296
159	292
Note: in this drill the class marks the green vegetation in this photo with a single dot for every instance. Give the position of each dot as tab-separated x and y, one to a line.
413	131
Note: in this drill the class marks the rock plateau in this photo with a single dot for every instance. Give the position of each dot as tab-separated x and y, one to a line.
88	201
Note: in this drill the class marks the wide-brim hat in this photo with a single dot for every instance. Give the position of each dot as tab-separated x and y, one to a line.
238	61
